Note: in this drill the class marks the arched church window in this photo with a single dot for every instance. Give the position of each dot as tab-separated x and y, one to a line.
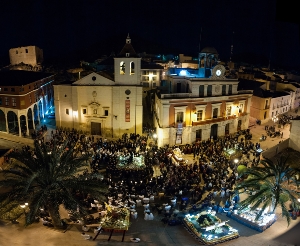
122	67
131	68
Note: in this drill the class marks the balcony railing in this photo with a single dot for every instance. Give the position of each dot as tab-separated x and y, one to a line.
220	119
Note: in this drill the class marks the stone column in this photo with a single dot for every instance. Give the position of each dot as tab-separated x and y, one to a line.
27	128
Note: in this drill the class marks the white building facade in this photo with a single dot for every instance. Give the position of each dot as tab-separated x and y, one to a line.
103	105
200	107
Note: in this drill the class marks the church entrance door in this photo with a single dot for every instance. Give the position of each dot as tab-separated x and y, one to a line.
95	128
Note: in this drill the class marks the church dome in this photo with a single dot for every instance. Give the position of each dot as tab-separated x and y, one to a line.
210	50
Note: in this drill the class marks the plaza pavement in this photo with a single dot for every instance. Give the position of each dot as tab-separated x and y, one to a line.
155	232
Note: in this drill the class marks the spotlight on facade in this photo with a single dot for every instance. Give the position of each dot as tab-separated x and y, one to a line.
183	73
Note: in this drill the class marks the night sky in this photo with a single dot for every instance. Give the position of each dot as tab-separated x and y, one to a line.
86	29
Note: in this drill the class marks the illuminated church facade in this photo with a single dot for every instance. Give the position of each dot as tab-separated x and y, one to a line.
200	104
104	104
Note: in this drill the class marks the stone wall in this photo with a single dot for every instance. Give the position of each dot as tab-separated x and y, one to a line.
271	152
10	137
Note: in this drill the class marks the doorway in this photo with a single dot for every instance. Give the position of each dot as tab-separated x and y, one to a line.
95	128
227	129
214	131
198	135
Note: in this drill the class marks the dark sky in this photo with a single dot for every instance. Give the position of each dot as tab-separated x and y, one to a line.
64	27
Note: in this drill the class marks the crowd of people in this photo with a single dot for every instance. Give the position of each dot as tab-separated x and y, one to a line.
211	172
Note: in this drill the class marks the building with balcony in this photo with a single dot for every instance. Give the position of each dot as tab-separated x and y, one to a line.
106	103
25	97
199	104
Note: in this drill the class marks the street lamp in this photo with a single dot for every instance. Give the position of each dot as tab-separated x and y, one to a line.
236	161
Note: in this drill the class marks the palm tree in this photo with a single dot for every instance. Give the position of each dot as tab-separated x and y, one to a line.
272	182
49	177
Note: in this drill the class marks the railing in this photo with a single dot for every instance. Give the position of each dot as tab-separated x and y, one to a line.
176	95
220	119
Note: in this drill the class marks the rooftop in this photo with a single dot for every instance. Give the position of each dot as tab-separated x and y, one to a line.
21	77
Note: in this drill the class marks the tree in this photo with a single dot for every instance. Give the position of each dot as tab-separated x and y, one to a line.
48	177
272	182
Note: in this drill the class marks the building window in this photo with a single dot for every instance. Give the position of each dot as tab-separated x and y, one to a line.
6	101
228	110
14	102
16	52
223	90
67	111
131	68
215	113
84	110
5	89
30	100
0	101
0	89
29	87
179	117
201	91
26	50
209	90
241	107
95	111
199	115
106	112
12	89
272	114
230	90
122	67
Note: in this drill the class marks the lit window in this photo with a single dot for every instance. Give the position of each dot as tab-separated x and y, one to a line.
14	102
6	101
122	67
199	115
131	68
228	110
241	107
179	117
